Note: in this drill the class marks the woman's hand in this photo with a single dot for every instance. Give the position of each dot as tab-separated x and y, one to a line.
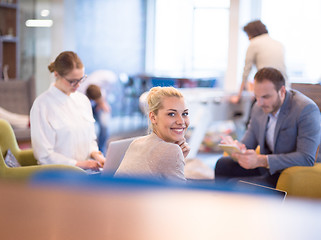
89	164
184	146
99	157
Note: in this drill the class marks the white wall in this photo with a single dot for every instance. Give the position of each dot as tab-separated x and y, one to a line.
42	50
241	12
231	77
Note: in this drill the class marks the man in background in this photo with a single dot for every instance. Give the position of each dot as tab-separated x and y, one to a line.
286	126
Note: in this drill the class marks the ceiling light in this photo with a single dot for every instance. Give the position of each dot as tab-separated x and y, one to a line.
39	23
44	13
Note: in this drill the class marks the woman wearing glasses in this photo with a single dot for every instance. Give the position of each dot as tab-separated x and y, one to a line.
62	124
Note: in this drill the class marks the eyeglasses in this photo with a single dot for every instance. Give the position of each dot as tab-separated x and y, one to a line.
76	81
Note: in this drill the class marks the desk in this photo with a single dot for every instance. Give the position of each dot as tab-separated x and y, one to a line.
207	105
49	212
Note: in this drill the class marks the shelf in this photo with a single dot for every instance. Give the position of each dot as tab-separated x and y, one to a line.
9	5
8	39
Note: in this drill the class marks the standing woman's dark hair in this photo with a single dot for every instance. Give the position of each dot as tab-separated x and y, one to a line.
65	63
255	28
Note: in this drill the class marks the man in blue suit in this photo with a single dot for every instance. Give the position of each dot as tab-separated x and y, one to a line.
286	126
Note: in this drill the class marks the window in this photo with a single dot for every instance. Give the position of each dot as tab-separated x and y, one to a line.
191	36
296	24
210	38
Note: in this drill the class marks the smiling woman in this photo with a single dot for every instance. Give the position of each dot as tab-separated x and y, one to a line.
161	153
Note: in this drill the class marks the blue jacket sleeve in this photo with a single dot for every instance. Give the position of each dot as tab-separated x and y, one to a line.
307	142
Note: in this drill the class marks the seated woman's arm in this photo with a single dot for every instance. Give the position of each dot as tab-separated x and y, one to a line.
170	162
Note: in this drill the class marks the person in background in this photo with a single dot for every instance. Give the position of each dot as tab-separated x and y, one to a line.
263	51
108	83
16	120
285	124
101	112
161	153
62	124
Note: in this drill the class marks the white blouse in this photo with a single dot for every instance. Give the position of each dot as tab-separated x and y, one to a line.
62	127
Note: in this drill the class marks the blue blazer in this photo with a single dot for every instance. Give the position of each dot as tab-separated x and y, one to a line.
296	136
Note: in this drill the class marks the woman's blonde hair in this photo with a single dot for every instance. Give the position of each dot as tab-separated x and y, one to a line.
65	63
155	99
156	95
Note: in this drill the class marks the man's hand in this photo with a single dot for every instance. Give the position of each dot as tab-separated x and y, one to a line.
250	159
229	140
235	99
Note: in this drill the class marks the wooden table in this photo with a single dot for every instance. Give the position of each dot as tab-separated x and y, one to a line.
51	212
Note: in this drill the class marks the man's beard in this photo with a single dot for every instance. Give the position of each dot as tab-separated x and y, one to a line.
277	105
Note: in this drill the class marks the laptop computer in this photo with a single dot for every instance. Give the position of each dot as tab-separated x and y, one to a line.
115	153
257	188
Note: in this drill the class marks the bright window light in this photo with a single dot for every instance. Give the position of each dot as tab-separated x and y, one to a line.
191	36
297	27
211	3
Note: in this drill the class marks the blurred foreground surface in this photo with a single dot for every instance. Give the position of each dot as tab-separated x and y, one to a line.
49	211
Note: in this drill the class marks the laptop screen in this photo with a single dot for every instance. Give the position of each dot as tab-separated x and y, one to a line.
257	188
115	153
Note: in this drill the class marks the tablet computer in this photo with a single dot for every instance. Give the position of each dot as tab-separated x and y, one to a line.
230	149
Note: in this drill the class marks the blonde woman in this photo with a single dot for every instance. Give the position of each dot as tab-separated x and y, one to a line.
161	153
62	124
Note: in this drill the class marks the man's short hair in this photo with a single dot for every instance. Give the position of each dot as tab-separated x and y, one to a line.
255	28
93	92
271	74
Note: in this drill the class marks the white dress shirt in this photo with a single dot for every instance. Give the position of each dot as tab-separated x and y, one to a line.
271	129
62	127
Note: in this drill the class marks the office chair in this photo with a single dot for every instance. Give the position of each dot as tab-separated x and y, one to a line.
26	159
